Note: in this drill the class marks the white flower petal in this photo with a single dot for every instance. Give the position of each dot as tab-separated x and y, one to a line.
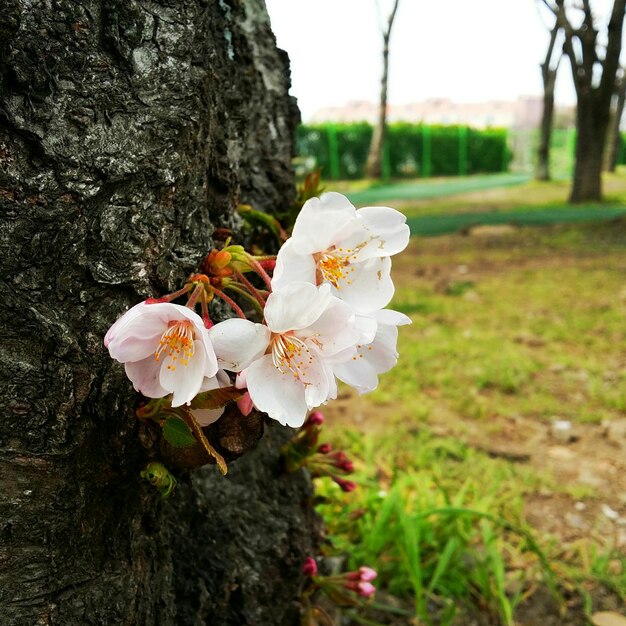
277	394
134	348
322	222
114	332
221	379
184	381
366	325
391	318
359	374
238	342
334	330
370	285
206	417
144	375
362	370
388	227
292	266
318	386
295	306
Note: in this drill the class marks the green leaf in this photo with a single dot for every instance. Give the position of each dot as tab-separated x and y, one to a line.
177	433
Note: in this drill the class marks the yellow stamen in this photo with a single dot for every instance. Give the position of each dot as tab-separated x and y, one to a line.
177	344
290	353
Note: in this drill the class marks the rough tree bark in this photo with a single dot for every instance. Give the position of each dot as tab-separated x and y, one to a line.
129	129
549	71
374	163
594	78
614	139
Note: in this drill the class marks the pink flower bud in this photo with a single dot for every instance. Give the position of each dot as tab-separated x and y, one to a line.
367	574
365	589
310	567
315	419
346	466
346	485
324	448
244	403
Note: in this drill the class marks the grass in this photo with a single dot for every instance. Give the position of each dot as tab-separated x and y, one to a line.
436	530
538	312
522	326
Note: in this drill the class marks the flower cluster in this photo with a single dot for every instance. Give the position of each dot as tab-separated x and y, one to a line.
320	317
340	588
321	459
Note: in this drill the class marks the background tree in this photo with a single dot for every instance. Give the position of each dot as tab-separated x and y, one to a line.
129	131
374	164
549	69
594	71
614	137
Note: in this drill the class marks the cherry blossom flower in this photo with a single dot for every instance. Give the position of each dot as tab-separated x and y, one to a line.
349	249
165	349
361	371
287	364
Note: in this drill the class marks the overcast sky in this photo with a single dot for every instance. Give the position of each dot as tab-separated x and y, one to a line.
466	50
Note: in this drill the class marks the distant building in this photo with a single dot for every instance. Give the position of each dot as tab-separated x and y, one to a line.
523	113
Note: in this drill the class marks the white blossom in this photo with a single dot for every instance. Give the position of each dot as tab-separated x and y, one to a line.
165	349
349	249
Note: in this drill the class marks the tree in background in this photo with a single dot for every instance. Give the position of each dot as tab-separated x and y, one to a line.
129	132
374	165
614	137
549	69
594	68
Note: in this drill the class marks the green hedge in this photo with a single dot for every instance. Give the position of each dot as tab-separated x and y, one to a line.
621	150
411	150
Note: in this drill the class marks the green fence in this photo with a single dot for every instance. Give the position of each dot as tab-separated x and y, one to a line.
411	150
524	144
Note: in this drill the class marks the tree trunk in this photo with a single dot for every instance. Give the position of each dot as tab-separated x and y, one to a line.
129	130
374	163
591	126
543	152
614	137
593	96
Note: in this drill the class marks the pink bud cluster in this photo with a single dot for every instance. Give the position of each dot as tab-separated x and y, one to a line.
359	581
304	450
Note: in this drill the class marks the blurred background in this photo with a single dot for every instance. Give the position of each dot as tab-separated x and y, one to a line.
491	462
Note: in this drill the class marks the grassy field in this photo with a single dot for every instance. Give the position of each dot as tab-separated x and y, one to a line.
472	506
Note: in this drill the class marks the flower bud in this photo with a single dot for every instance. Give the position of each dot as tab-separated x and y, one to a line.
221	258
315	419
324	448
347	466
310	567
365	589
367	574
346	485
244	404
